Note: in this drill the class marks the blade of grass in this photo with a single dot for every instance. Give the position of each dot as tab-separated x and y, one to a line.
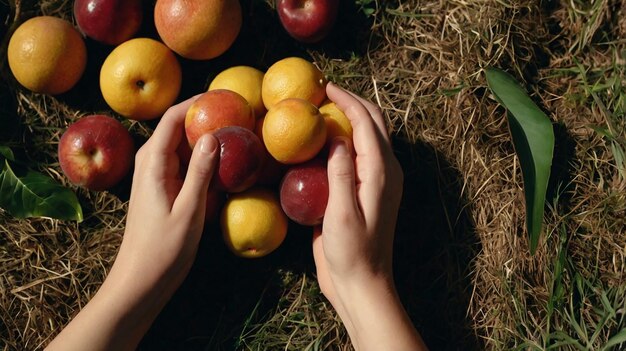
616	339
557	293
564	340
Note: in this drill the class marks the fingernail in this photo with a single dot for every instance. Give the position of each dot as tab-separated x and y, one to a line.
341	147
208	145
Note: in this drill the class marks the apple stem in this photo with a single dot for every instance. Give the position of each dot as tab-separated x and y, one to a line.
140	84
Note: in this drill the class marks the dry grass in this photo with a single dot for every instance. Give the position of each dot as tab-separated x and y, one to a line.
462	261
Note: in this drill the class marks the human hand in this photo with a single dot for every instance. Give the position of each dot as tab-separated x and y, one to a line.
163	229
363	202
166	212
353	248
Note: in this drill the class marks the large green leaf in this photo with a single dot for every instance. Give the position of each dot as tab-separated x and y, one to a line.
533	138
35	195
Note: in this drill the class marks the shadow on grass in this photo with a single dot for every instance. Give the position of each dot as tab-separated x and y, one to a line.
212	306
434	248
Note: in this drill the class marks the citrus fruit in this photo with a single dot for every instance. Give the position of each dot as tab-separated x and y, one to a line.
216	109
294	131
293	77
253	223
246	81
140	79
337	124
198	29
47	55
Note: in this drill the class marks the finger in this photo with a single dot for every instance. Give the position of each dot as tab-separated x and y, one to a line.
160	150
376	114
368	139
341	179
192	196
323	278
168	133
318	249
321	266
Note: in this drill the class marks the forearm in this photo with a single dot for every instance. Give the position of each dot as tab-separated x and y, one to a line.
117	317
377	318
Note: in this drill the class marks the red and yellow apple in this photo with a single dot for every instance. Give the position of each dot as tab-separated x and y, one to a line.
96	152
308	21
216	109
198	29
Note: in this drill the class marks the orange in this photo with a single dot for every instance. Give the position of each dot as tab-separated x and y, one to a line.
253	223
47	55
246	81
294	131
337	124
293	77
140	79
198	29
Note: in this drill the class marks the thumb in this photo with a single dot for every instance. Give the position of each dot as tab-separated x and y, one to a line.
323	276
203	161
341	178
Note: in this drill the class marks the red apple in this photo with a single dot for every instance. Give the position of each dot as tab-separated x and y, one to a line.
241	158
216	109
214	201
304	192
96	152
272	171
108	21
308	21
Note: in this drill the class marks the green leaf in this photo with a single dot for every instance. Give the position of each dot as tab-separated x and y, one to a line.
36	195
7	153
533	138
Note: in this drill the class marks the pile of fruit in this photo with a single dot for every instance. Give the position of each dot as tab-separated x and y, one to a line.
273	128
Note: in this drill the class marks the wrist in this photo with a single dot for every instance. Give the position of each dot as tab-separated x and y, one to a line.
115	319
131	298
136	290
361	291
365	281
375	312
128	304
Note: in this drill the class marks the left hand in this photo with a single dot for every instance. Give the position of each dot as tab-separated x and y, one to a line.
166	212
163	229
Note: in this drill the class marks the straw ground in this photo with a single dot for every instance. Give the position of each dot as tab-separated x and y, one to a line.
462	263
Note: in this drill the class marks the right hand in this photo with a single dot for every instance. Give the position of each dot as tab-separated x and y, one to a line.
353	248
364	197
